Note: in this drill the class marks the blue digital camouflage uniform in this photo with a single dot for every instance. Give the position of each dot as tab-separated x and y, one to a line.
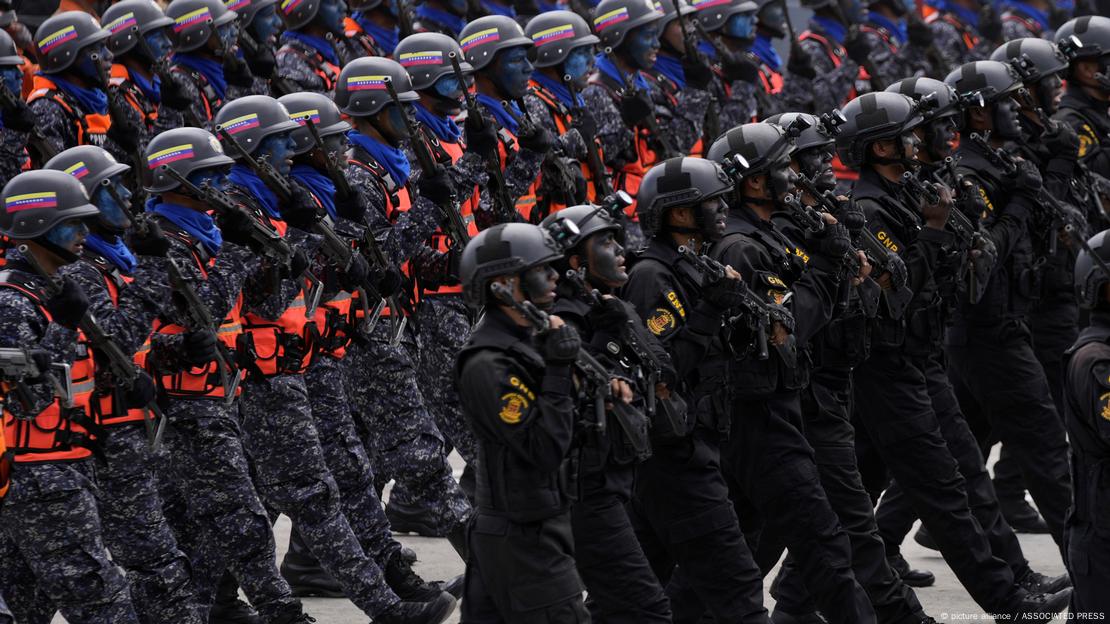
895	61
834	83
1016	24
951	43
198	114
59	128
399	432
135	528
522	167
12	154
302	65
50	513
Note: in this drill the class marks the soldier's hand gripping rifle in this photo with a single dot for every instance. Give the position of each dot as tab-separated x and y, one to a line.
500	190
37	143
661	143
711	126
964	219
18	367
338	249
600	174
123	370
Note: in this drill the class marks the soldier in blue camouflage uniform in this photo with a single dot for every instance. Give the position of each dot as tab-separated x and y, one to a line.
16	119
259	26
53	528
371	30
135	529
898	41
1031	18
964	31
835	53
380	373
440	16
227	525
308	60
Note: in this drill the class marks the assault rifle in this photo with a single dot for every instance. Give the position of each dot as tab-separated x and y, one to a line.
18	367
752	309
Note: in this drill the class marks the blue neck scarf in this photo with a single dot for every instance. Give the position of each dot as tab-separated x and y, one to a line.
671	67
117	253
608	68
211	69
244	177
896	29
444	127
494	108
321	45
394	160
387	38
453	22
497	9
199	225
320	185
90	100
558	88
831	27
152	89
765	50
1036	15
707	49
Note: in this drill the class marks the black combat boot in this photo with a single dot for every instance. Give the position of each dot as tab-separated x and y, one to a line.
228	608
303	571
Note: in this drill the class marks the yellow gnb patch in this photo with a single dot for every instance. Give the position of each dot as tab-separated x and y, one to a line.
1104	405
887	241
1087	139
672	298
801	253
986	200
661	322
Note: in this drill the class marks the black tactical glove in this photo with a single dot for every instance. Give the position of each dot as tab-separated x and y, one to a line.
437	188
355	275
301	211
899	276
799	63
739	66
481	136
68	307
236	227
857	47
141	393
697	71
262	63
586	125
560	346
151	241
198	347
1062	141
610	314
388	281
173	91
990	23
635	107
535	138
1027	179
723	293
237	72
833	241
350	207
851	217
920	35
20	117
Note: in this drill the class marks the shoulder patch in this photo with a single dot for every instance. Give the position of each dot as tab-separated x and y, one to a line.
513	406
1087	139
1104	405
661	321
672	298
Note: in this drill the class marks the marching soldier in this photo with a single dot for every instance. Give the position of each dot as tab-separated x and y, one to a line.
517	385
447	17
54	537
1083	106
965	30
837	52
259	27
731	28
204	34
307	60
681	508
17	120
1031	18
371	30
126	292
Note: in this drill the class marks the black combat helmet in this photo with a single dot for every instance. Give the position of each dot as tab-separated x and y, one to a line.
9	54
62	39
555	34
91	165
362	91
714	14
504	249
1090	277
874	117
1092	31
127	22
675	183
321	110
761	145
1033	58
250	119
990	79
818	131
585	221
184	150
35	201
483	38
948	102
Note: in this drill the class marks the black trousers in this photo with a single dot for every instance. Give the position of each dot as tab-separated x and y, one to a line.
893	404
826	405
997	369
895	514
683	517
622	587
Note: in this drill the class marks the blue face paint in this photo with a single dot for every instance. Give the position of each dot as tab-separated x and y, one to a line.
158	42
277	149
580	62
95	63
448	87
228	35
12	78
67	234
773	18
216	178
331	15
266	24
512	72
642	44
741	26
112	214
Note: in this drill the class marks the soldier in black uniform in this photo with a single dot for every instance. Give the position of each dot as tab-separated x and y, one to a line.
517	389
616	572
1087	412
766	458
992	363
892	392
1087	95
681	509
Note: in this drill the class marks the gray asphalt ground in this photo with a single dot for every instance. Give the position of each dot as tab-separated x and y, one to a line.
946	600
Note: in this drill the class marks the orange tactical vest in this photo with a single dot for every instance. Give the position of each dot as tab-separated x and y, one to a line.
969	38
92	128
331	329
57	433
327	71
355	35
135	98
399	201
201	381
5	465
448	154
629	177
208	96
561	116
103	405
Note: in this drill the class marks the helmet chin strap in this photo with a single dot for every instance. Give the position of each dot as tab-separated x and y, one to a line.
67	256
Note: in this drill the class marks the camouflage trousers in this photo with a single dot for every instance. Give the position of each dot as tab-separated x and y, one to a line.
293	478
444	329
54	539
224	524
347	459
398	429
137	534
